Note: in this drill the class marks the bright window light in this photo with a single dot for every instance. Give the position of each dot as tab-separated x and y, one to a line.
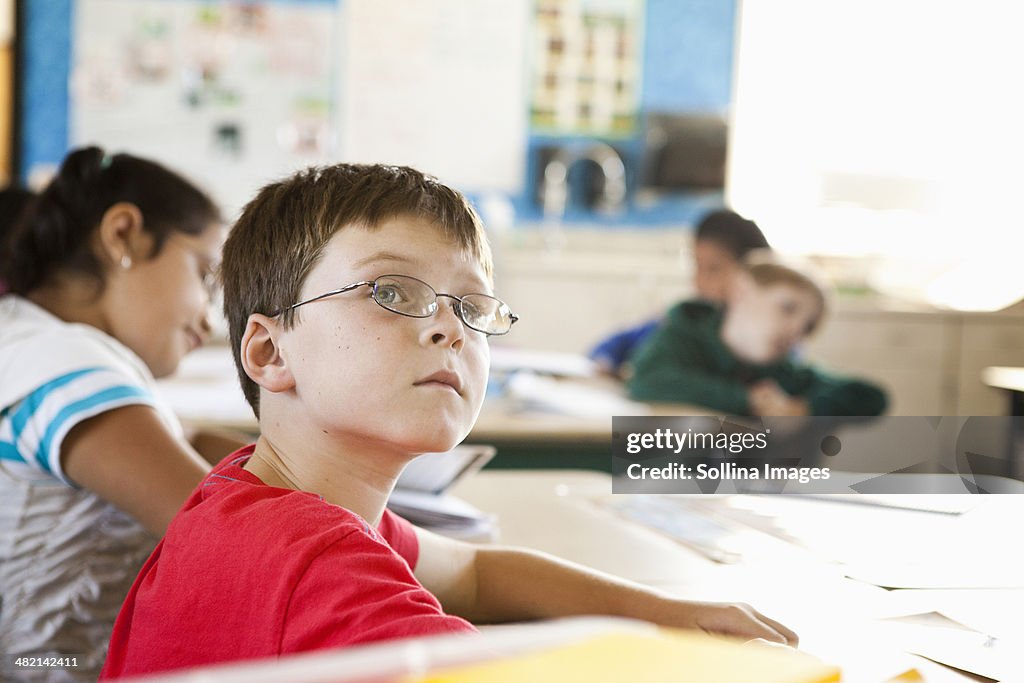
886	128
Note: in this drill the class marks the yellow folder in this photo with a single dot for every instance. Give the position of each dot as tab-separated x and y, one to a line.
664	655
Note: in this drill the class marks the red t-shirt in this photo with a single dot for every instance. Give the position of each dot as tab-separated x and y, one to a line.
248	570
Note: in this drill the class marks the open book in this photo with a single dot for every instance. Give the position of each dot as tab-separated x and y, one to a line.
420	497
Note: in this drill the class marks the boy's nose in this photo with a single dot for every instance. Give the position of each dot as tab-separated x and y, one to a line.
446	326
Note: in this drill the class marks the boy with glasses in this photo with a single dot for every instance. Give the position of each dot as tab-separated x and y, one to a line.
359	304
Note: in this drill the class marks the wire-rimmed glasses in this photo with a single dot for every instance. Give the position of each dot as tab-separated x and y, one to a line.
412	297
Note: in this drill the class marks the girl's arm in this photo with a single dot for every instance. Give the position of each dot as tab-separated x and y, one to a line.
131	459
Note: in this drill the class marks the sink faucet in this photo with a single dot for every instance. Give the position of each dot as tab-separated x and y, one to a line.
555	188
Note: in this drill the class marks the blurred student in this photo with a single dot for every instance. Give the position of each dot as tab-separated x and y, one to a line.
722	240
737	359
109	279
13	202
360	303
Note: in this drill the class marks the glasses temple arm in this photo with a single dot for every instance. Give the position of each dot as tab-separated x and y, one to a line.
333	292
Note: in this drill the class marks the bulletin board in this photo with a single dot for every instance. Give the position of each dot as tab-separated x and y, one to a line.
586	66
231	94
236	94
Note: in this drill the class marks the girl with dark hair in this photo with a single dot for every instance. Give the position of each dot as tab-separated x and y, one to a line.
109	281
14	201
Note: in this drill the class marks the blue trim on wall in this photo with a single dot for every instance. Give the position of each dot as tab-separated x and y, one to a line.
46	60
688	55
687	67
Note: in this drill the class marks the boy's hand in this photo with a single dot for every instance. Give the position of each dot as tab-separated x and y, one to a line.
768	399
737	620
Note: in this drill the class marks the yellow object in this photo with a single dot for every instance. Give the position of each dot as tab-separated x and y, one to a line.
641	658
909	676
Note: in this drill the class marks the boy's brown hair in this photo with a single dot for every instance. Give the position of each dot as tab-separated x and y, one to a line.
281	234
766	268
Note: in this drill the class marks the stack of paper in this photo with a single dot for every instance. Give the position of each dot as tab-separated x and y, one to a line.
442	513
437	472
419	495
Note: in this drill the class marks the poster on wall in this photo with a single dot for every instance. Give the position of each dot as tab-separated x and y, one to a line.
586	66
438	85
231	94
236	94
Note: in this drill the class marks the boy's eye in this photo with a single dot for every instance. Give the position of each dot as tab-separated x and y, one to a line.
390	294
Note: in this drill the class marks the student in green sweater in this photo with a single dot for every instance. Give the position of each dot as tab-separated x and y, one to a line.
738	359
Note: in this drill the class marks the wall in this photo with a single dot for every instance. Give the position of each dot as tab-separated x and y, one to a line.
687	66
6	88
46	46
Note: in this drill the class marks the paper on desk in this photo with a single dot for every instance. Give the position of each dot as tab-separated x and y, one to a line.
560	364
533	392
437	472
969	651
994	612
442	513
950	572
897	548
946	503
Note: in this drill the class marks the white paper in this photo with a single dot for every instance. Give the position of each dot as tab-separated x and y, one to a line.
532	392
558	363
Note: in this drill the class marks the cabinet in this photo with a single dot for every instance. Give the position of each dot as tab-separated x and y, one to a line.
910	355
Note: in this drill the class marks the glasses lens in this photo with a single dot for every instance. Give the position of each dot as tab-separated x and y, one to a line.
405	295
486	314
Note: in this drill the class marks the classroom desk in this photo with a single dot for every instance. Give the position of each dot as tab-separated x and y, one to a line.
838	619
533	439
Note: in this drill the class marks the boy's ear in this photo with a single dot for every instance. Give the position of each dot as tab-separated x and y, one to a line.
122	236
261	355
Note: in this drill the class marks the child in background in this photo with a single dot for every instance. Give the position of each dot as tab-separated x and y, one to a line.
359	303
109	275
738	359
722	240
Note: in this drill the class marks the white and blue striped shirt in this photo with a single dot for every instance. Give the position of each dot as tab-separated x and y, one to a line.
33	429
67	557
